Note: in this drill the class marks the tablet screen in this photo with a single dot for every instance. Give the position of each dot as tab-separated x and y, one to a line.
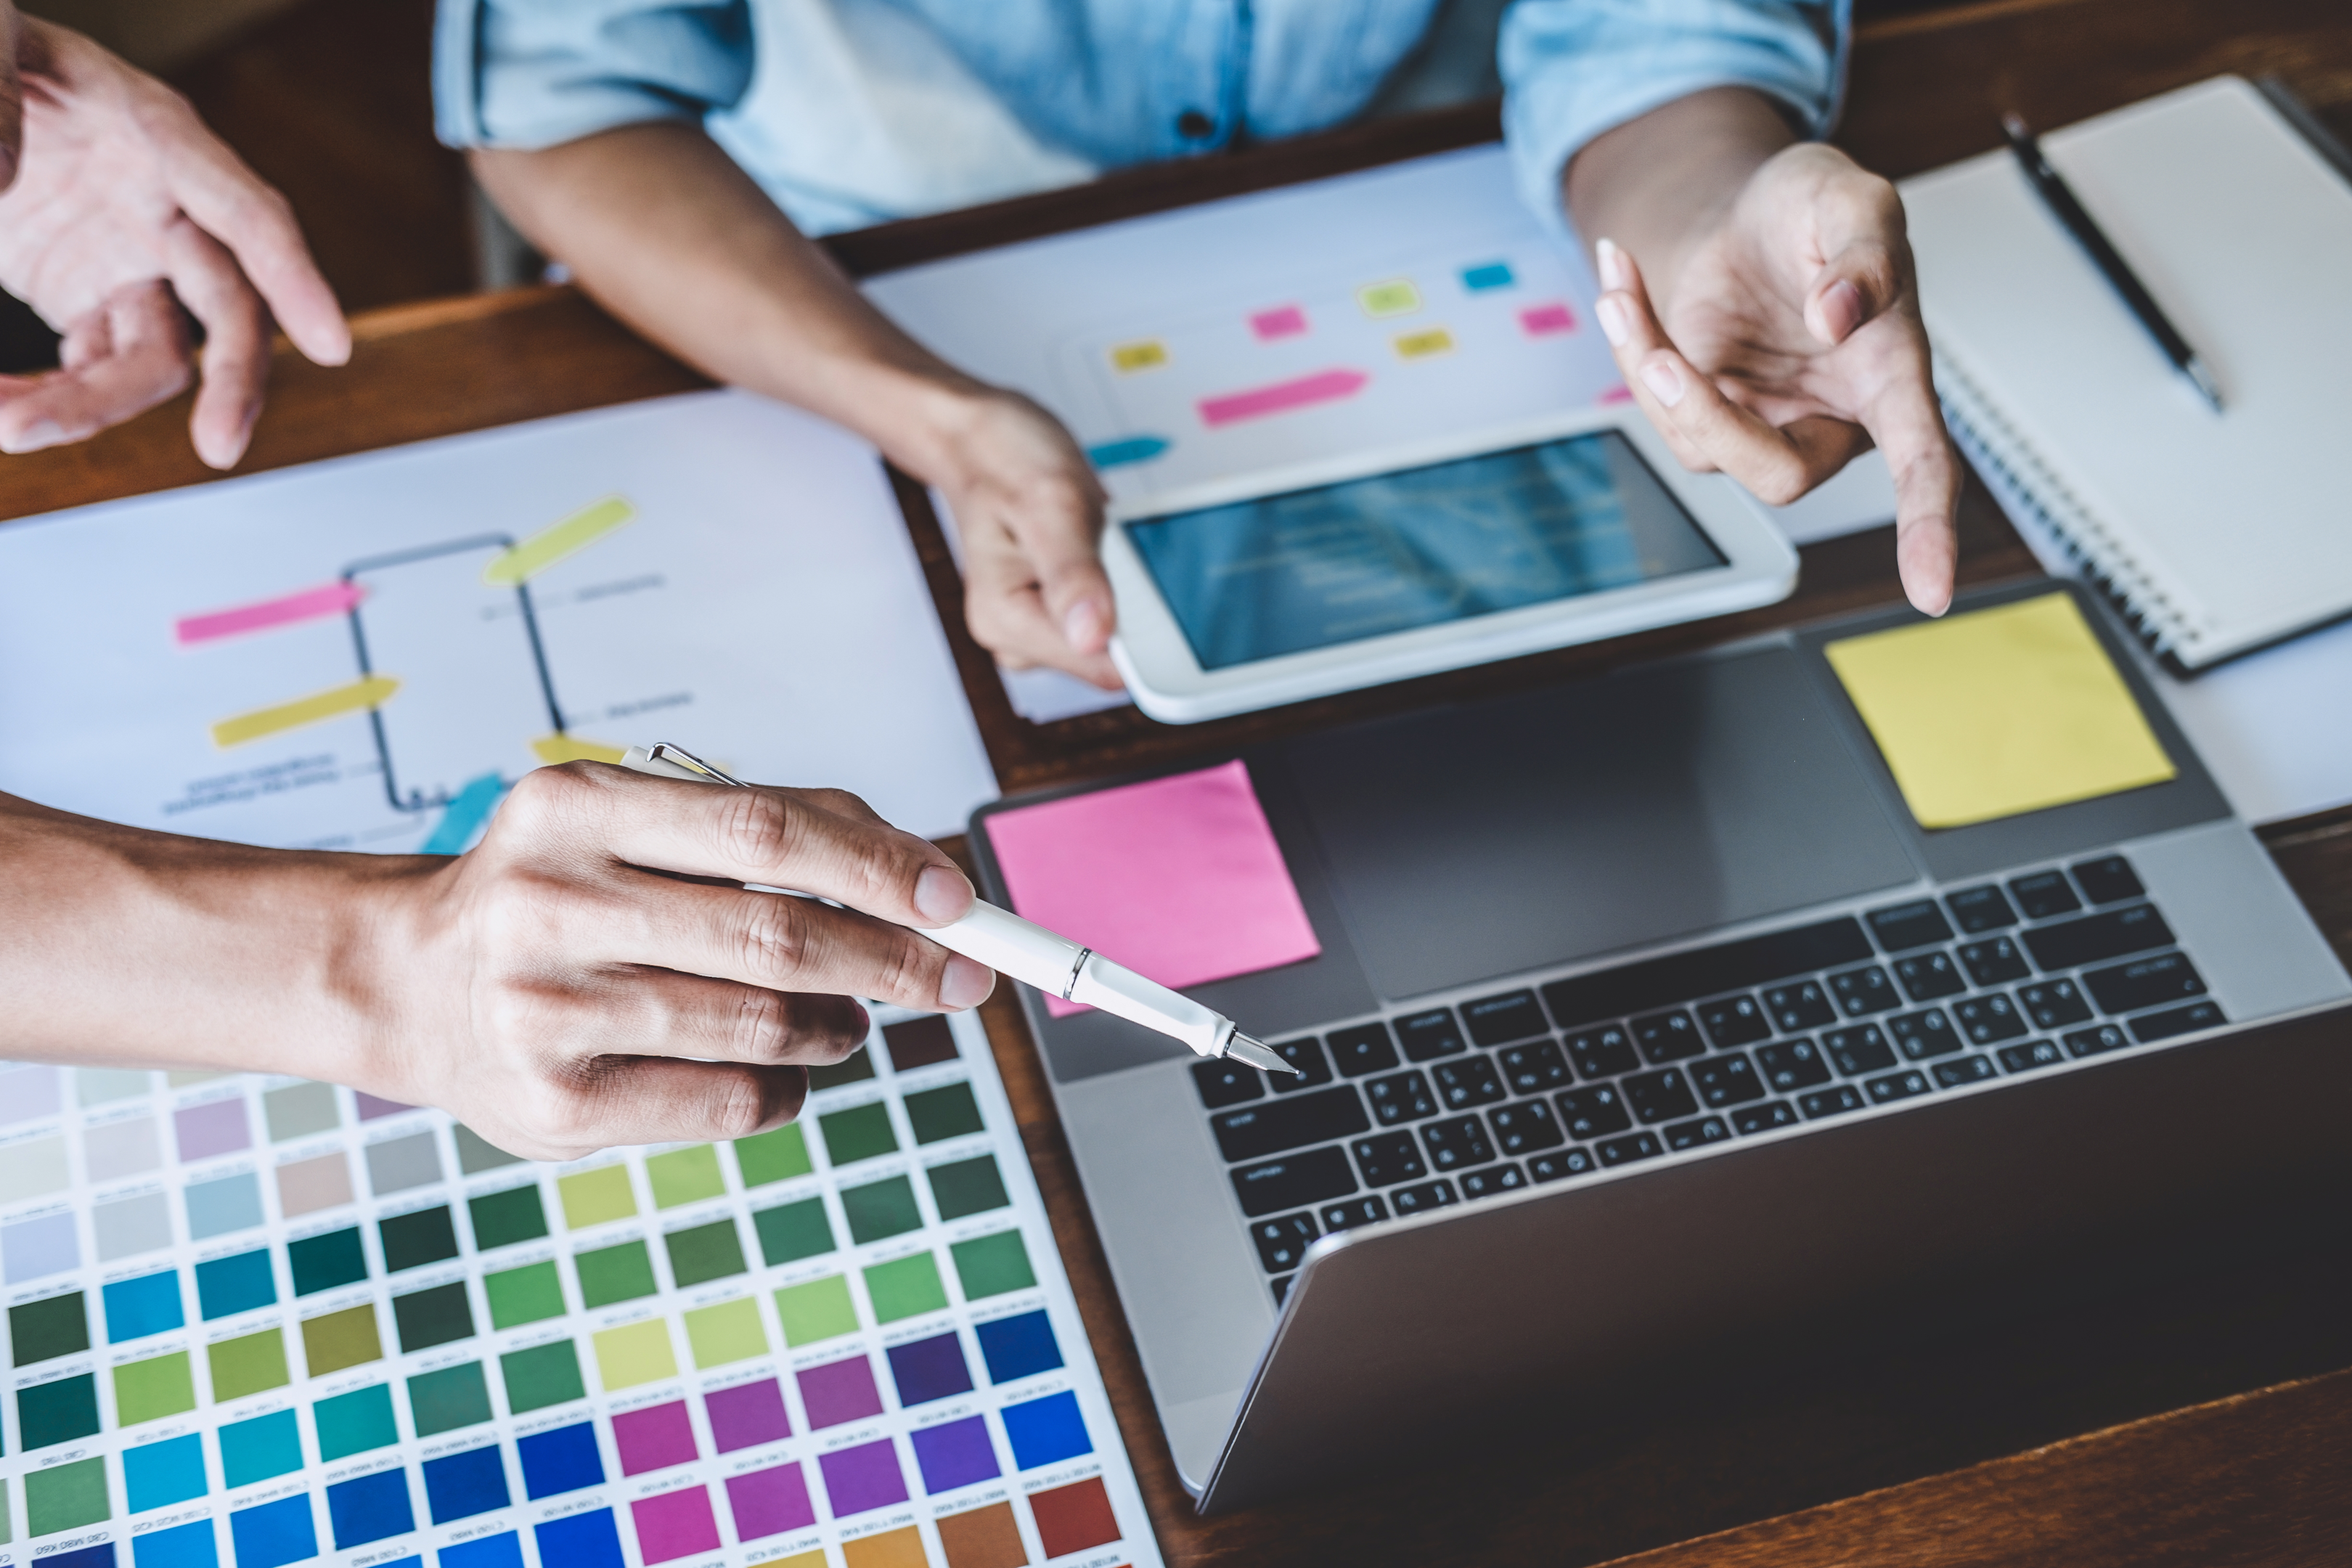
1364	558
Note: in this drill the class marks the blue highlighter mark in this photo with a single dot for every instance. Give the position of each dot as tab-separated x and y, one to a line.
1489	274
464	816
1127	449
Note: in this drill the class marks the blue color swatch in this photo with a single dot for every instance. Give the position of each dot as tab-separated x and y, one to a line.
465	1484
275	1533
370	1508
182	1546
160	1474
227	1285
583	1540
87	1557
147	1305
930	1369
1018	1347
257	1450
355	1422
559	1461
490	1551
1044	1430
217	1207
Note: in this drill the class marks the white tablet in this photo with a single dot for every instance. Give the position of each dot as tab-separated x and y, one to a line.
1334	575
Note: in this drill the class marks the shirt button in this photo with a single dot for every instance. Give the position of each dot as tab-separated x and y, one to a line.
1194	126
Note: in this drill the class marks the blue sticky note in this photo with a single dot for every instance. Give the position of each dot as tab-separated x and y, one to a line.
465	1484
1018	1347
257	1450
1126	450
158	1474
468	810
1044	1430
583	1540
275	1533
147	1305
560	1461
227	1285
370	1508
1488	275
182	1546
490	1551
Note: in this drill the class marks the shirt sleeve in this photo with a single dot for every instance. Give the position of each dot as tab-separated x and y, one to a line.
1574	68
534	73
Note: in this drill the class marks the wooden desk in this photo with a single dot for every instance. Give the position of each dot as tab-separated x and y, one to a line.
2181	1463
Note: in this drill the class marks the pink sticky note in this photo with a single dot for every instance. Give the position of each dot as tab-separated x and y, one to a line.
287	609
1282	397
1288	321
1542	321
1179	878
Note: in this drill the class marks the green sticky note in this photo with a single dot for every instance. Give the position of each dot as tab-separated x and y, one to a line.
435	1317
413	1240
612	1274
790	1232
355	1422
593	1198
817	1310
525	1295
773	1157
967	1186
729	1332
856	1070
880	1209
65	1497
258	1361
707	1252
323	1262
946	1112
347	1338
40	1329
992	1265
905	1286
446	1400
685	1176
541	1376
501	1219
860	1132
144	1390
59	1412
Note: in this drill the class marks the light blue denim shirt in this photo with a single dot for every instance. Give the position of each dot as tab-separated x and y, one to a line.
856	111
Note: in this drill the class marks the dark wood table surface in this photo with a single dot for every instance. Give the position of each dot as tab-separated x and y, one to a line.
2204	1420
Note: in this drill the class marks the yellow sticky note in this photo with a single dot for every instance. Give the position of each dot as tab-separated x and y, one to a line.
1394	297
1148	354
1998	712
1416	345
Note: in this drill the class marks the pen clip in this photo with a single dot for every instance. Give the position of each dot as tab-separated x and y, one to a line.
663	752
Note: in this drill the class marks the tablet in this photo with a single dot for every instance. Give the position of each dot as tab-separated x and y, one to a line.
1246	594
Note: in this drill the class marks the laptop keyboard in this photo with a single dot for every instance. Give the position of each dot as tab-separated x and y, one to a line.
1438	1106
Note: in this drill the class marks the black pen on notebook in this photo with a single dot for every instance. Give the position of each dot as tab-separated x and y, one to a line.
2059	199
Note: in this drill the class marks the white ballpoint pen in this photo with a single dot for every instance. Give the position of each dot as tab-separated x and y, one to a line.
1025	950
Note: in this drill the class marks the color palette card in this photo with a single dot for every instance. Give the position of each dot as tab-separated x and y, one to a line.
258	1322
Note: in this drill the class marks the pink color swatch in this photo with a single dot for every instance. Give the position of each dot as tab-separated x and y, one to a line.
1179	878
1543	321
208	1130
769	1502
371	1107
1289	321
308	604
653	1439
675	1525
1282	397
747	1415
839	1391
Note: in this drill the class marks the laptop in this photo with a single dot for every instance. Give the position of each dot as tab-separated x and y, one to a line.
1647	1020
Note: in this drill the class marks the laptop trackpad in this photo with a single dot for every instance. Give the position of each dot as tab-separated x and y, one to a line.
1599	817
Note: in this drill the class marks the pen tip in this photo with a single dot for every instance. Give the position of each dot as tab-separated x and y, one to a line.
2014	123
1242	1048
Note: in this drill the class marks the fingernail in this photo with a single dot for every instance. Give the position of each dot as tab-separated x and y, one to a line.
1614	325
966	983
1613	264
40	433
865	1021
1664	382
941	894
1841	309
1083	626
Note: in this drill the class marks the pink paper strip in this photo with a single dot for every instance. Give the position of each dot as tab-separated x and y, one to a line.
1542	321
1288	321
1179	878
308	604
1323	387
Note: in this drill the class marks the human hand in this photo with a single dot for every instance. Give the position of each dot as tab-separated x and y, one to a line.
1790	344
124	209
592	973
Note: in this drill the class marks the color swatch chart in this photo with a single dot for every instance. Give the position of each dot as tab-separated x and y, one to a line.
259	1321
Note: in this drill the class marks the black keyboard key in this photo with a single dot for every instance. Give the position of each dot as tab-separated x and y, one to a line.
1494	1179
1751	1118
1296	1181
1364	1049
1691	1135
2109	879
2026	1057
2186	1020
1734	1021
1561	1164
1793	1064
2043	894
1354	1211
1400	1098
1667	1038
1657	1096
1431	1035
2053	1003
1725	1080
1902	927
1524	1128
1423	1198
1859	992
1307	1056
1281	1243
1587	1113
1315	1118
1994	963
1498	1020
1920	1036
1835	1101
2145	983
1282	1289
1858	1050
1979	909
1966	1070
2093	938
2097	1041
1801	1006
1733	966
1456	1144
1601	1053
1896	1085
1928	975
1625	1151
1223	1083
1984	1020
1470	1082
1388	1158
1534	1070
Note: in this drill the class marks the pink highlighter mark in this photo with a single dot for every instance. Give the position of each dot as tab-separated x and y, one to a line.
1289	321
1179	878
1323	387
310	604
1543	321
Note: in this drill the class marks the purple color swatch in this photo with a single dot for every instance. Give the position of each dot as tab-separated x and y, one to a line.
955	1455
675	1524
216	1129
930	1368
769	1502
37	1247
653	1439
28	1092
371	1107
747	1416
862	1477
840	1391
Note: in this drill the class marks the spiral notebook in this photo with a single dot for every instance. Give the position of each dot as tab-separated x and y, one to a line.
2218	533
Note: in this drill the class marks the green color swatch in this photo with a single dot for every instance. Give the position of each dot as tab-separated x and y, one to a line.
947	1112
593	1198
40	1329
860	1132
790	1232
147	1390
541	1376
773	1157
347	1338
685	1176
856	1070
413	1240
905	1287
991	1265
728	1331
705	1253
323	1262
817	1310
612	1274
59	1412
525	1295
258	1361
65	1497
880	1209
446	1400
501	1219
476	1153
435	1317
355	1422
967	1186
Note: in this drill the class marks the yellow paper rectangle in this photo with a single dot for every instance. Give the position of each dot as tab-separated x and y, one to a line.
1415	345
310	709
556	541
1148	354
1995	712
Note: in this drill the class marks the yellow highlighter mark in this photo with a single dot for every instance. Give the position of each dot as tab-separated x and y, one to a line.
1148	354
310	709
1420	346
1999	711
558	540
1394	297
554	749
